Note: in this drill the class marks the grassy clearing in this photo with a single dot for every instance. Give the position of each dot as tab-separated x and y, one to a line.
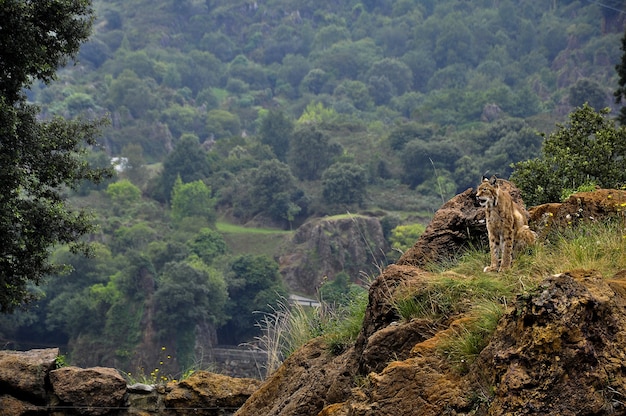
258	241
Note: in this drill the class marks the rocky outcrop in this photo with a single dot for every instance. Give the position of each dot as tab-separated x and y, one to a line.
583	206
559	349
326	246
30	386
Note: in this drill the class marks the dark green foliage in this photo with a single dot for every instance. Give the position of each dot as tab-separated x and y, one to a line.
339	291
273	190
187	161
310	152
275	131
344	183
188	292
587	91
254	287
38	159
589	150
208	245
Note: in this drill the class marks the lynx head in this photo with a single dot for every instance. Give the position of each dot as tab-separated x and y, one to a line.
487	193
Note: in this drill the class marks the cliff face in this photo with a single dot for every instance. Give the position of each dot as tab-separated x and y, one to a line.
560	349
326	246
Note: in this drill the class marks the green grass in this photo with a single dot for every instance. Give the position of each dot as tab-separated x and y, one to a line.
247	240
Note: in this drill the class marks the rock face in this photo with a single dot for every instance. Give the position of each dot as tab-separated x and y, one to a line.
327	246
559	350
30	386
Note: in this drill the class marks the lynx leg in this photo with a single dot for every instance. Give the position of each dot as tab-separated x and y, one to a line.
507	252
493	249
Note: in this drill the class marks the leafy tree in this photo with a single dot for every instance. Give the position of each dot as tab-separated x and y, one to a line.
254	286
587	91
38	159
339	291
192	199
221	123
268	181
310	152
344	183
137	95
134	164
188	160
396	71
123	192
403	237
589	150
208	245
357	92
275	131
189	293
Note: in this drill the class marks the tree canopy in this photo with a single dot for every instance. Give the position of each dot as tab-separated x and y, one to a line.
38	159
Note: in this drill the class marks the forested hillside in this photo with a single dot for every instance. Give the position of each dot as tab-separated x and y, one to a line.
266	113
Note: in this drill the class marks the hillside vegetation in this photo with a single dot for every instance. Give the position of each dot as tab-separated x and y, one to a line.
229	116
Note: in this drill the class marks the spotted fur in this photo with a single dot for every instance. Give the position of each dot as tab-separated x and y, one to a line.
506	224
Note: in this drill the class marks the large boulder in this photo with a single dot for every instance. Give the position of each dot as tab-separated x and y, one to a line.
582	206
22	373
93	391
215	393
561	350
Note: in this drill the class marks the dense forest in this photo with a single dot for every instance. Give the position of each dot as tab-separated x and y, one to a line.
268	113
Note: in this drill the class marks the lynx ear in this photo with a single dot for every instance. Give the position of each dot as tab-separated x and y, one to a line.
493	180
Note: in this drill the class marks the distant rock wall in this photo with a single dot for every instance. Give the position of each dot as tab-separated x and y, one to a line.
31	385
327	246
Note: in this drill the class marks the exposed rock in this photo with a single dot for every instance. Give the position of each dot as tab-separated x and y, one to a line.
10	406
561	350
460	222
308	380
327	246
97	390
211	392
31	387
22	373
583	206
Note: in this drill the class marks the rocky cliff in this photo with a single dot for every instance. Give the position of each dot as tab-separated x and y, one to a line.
557	350
326	246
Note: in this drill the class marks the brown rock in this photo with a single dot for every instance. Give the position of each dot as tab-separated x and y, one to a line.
211	392
561	350
308	380
10	406
24	372
583	206
326	246
95	391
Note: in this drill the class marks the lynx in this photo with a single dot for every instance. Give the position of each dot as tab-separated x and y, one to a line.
506	224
